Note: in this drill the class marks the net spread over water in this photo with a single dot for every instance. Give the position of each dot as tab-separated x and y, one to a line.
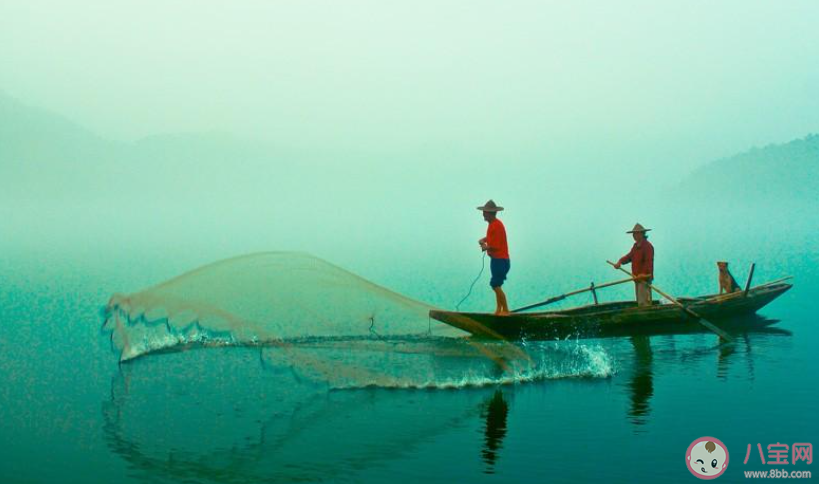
267	297
327	324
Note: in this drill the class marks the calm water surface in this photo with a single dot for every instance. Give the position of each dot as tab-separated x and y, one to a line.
70	413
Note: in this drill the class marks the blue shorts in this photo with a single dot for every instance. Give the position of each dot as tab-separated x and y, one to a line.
499	268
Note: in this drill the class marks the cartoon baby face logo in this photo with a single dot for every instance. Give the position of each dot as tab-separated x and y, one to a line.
707	458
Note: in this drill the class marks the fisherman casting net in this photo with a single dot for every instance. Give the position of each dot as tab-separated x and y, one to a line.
327	324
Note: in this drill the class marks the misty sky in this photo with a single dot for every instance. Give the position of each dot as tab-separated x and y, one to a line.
575	115
590	82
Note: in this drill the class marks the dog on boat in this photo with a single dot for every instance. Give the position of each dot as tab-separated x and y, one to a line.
727	283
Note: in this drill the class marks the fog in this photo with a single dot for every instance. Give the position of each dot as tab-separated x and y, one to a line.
630	81
367	132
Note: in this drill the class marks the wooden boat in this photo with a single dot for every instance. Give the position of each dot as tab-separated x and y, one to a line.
623	318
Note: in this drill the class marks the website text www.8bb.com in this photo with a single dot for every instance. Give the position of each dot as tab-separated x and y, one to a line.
777	474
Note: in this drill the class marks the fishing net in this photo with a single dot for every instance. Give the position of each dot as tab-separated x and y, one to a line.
262	298
323	323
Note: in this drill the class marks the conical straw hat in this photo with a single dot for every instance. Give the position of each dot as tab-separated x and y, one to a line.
638	228
490	206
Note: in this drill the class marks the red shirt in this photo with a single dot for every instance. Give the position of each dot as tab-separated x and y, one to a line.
642	259
496	240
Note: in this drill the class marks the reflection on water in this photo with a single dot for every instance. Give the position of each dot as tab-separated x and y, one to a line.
724	357
641	382
239	424
641	385
495	411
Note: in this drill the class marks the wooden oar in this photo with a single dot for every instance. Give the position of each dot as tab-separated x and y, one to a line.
572	293
722	334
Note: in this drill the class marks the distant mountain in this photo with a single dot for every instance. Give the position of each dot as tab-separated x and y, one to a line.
33	135
786	172
45	157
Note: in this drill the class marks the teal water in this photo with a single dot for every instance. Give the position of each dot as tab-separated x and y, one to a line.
70	413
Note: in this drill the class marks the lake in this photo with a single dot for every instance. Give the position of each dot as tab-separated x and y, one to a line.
620	410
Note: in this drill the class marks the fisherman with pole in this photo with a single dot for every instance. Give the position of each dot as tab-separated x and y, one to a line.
641	258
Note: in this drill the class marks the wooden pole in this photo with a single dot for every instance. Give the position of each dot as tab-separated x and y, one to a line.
564	296
594	293
750	276
722	334
776	281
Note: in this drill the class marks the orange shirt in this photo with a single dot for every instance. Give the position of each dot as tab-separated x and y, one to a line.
496	240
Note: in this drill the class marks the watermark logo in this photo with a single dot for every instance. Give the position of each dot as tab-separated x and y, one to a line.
778	453
707	458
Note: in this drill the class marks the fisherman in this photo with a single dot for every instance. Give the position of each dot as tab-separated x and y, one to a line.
641	257
495	245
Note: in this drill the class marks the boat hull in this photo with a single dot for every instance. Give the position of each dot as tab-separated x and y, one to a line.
730	312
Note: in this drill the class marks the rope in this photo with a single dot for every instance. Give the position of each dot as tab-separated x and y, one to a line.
372	328
483	265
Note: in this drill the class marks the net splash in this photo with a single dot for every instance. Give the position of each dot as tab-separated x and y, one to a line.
327	325
271	297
